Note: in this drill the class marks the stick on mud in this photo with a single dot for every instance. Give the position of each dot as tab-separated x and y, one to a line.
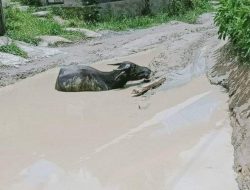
152	85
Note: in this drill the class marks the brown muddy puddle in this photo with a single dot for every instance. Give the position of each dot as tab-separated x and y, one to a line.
178	139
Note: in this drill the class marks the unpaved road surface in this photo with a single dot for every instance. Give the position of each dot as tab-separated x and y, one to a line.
118	44
175	138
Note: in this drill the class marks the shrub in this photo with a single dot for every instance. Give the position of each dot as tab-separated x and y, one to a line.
31	2
88	13
233	18
179	7
123	23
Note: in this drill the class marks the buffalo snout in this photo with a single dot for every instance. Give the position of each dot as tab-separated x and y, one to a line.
138	72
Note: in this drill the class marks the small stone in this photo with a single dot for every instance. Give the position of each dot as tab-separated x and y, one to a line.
11	60
52	40
4	41
88	33
204	18
23	8
41	13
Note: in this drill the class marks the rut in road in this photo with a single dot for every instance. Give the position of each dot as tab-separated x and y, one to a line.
177	43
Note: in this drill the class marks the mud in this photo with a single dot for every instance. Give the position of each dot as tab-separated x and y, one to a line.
110	45
176	137
54	140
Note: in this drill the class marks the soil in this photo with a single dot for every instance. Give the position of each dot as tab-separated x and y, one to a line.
175	137
235	77
175	36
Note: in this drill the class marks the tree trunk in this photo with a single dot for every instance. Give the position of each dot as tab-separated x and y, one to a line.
2	24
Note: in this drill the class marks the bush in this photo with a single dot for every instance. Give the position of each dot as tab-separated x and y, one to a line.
88	13
179	7
233	18
31	2
123	23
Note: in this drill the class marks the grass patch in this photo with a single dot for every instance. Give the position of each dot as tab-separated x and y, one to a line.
25	27
13	49
124	23
146	21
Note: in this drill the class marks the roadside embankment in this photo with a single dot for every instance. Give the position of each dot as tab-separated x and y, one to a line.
236	79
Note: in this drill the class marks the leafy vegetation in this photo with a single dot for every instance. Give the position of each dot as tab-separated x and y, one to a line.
85	14
182	10
25	27
233	19
30	2
144	21
189	16
13	49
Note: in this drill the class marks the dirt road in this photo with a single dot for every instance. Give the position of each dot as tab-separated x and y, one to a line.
175	138
115	45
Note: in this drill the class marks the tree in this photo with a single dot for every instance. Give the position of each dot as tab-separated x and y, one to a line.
2	24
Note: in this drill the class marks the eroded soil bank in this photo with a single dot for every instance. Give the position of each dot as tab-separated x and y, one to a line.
236	78
177	137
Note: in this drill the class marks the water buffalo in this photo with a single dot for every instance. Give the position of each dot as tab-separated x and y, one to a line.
84	78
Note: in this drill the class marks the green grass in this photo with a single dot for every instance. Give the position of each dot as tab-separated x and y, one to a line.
13	49
25	27
147	21
118	24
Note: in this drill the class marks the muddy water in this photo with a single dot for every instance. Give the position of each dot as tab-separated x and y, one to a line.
178	139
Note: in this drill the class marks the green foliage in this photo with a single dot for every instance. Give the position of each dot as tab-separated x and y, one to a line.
178	7
31	2
146	10
13	49
233	19
92	11
123	23
88	13
25	27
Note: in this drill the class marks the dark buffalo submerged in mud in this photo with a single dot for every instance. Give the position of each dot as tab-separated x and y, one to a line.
83	78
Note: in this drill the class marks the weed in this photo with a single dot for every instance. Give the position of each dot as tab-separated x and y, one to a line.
25	27
13	49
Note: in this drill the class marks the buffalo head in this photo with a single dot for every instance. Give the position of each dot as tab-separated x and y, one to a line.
135	72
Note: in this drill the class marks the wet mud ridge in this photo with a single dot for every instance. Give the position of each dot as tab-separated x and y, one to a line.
177	137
